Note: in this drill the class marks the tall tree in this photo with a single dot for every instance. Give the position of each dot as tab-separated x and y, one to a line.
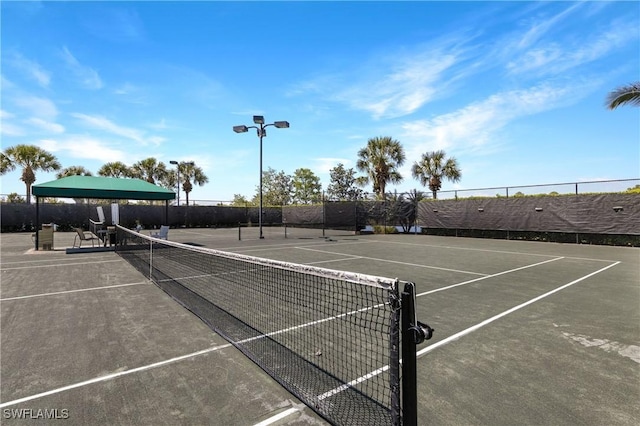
276	188
306	187
73	171
240	201
343	184
380	160
115	169
433	167
31	158
150	170
629	94
189	172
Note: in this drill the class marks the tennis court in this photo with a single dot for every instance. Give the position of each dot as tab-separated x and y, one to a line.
528	333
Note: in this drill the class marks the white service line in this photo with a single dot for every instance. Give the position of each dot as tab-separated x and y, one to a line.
416	265
507	312
61	264
113	376
285	246
277	417
51	259
332	260
468	330
490	251
73	291
488	276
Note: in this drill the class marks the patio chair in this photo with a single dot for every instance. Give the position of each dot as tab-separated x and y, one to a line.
97	225
84	236
163	233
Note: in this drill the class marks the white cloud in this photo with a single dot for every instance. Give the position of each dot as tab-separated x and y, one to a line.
552	58
86	148
391	86
45	125
324	165
478	125
404	90
31	69
88	77
540	28
7	128
39	107
102	123
5	114
159	125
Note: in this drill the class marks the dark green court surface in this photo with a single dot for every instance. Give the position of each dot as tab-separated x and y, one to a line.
526	333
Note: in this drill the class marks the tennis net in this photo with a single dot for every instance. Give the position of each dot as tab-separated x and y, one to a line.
329	337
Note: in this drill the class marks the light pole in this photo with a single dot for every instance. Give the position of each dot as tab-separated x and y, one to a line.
259	120
175	163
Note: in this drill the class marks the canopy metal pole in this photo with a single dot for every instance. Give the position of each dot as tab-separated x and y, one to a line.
37	220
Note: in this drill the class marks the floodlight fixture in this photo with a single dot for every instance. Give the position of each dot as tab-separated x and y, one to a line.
618	209
173	162
281	124
262	133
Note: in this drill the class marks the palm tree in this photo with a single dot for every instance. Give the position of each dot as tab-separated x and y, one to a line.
629	94
150	170
190	172
115	169
30	158
73	171
380	160
433	167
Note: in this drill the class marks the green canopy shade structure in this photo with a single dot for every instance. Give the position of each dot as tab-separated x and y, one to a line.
102	188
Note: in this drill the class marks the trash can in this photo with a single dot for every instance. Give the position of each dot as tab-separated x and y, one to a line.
111	232
45	237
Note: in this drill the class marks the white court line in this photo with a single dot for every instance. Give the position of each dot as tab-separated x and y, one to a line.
73	291
51	259
488	276
332	260
490	251
61	264
286	246
277	417
326	394
507	312
466	331
113	376
395	261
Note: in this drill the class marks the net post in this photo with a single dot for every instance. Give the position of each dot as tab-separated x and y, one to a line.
151	260
409	370
324	214
394	355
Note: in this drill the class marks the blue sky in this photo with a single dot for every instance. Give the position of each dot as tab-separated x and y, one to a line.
514	91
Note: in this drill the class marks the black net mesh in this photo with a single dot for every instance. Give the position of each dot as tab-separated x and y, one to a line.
331	338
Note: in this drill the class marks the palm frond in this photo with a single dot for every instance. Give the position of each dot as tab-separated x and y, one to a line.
629	94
